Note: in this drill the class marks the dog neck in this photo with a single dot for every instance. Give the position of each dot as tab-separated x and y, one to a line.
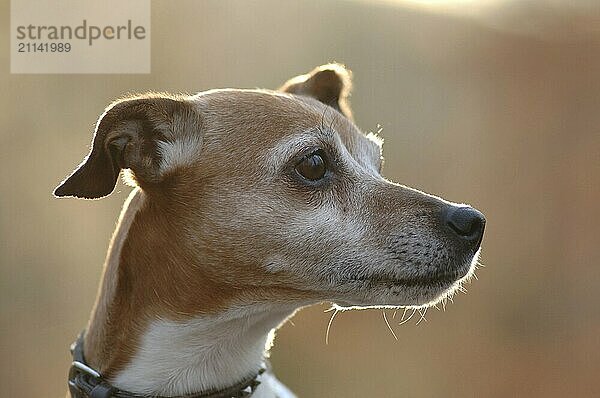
201	354
143	340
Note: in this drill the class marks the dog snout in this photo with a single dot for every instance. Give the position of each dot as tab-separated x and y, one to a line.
465	222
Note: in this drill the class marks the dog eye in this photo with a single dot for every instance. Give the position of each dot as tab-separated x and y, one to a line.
312	166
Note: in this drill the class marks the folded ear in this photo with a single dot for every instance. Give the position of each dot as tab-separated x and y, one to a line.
130	134
330	84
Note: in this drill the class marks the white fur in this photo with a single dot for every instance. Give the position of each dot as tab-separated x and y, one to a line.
204	353
184	151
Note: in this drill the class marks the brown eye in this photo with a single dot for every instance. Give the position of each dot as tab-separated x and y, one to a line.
312	166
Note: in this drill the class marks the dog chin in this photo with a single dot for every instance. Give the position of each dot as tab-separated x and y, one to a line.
388	292
413	297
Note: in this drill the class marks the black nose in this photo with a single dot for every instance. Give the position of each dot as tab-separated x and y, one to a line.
466	222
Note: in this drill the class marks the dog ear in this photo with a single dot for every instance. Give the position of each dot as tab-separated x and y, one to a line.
330	84
128	135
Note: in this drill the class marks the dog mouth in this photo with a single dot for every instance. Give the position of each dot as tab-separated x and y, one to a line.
388	289
426	281
440	279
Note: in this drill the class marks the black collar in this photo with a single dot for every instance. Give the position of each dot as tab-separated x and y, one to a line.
85	382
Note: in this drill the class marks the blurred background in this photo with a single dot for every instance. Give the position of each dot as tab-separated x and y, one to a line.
492	103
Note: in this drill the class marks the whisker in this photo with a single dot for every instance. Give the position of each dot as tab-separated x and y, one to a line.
323	118
408	319
329	325
388	324
331	123
403	314
422	316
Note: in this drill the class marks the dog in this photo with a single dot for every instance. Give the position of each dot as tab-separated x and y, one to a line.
248	205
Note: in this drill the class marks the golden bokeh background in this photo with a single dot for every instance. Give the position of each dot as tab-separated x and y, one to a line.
492	103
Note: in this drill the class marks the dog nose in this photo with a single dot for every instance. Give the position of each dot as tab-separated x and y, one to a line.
466	222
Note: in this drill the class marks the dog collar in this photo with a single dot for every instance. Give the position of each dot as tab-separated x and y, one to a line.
85	382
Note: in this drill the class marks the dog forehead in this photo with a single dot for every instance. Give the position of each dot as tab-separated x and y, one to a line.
262	112
270	119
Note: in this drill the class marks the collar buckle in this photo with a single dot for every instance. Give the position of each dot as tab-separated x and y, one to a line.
79	370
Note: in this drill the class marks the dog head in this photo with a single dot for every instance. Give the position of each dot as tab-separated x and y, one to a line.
277	196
